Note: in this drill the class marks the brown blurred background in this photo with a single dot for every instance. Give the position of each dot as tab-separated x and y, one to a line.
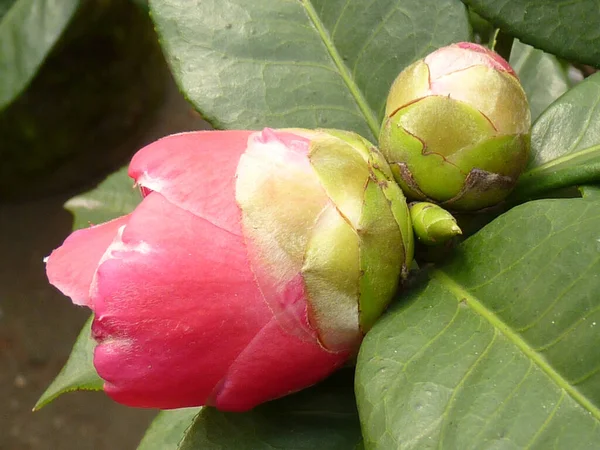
38	325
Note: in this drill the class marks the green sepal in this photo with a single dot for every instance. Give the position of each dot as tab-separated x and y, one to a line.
433	225
352	171
399	208
459	139
356	141
417	147
343	172
382	255
331	275
412	83
469	169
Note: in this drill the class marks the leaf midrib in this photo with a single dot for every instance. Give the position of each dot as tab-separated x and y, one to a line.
343	70
463	295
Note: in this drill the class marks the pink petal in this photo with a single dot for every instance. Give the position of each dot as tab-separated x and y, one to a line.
497	61
181	321
297	144
274	364
461	56
195	171
175	303
71	267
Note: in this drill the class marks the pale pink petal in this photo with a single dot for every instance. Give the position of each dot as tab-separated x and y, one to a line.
461	56
281	197
181	322
498	61
298	146
175	303
71	266
195	171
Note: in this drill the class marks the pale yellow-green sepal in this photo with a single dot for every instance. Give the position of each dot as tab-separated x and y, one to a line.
382	255
331	274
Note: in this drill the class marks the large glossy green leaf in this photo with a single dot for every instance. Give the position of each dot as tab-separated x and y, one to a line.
299	63
112	198
323	417
28	31
565	28
78	373
168	429
543	77
565	142
500	348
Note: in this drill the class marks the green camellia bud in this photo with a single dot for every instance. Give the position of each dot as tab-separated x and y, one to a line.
432	224
456	130
322	207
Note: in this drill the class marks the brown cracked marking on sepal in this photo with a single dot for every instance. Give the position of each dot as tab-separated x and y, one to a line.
479	182
406	105
411	184
424	148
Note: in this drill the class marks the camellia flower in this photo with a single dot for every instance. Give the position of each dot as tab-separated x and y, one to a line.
252	268
457	128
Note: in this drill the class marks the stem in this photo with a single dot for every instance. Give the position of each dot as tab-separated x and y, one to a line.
502	43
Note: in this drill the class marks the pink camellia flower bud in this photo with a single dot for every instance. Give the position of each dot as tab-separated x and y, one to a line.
456	128
252	268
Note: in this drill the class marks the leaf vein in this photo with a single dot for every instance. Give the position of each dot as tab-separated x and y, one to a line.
566	332
478	307
366	110
560	296
546	422
462	382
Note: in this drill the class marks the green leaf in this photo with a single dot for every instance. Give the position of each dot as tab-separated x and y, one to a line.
565	143
167	429
5	5
78	373
28	31
299	63
112	198
565	28
498	349
322	417
543	77
590	191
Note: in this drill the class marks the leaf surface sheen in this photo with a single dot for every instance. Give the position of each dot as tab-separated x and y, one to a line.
321	417
500	348
564	28
565	142
28	31
543	77
297	63
168	429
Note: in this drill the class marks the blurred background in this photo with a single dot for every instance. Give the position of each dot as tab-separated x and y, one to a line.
102	92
